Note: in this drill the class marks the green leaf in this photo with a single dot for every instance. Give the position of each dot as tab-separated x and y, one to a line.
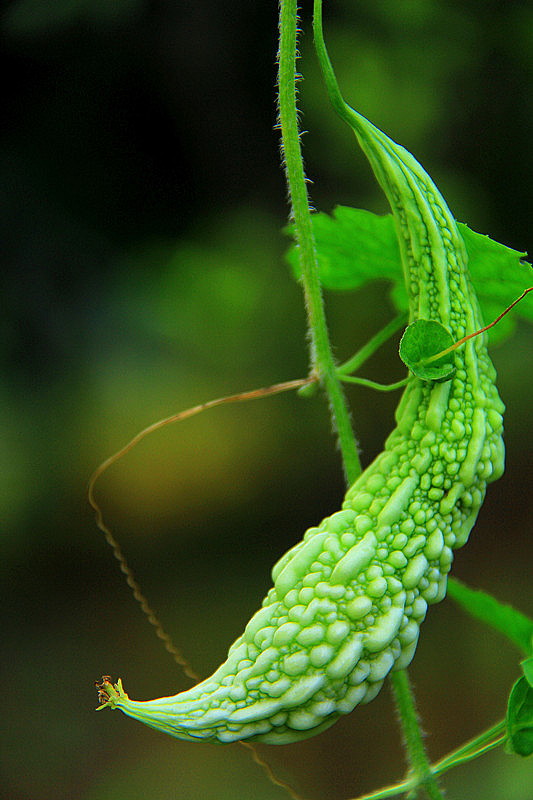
520	718
355	246
527	669
499	276
422	340
503	618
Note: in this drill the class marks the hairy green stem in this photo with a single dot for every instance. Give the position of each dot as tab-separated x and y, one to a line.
322	361
419	762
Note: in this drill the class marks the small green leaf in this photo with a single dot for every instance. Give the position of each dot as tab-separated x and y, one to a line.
422	340
355	246
520	718
503	618
527	669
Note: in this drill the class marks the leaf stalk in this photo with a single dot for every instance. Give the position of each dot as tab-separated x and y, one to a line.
457	344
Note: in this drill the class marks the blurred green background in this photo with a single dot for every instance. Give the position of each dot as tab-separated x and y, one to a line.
143	273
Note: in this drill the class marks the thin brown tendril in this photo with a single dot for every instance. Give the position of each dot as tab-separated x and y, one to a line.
457	344
260	761
125	568
254	394
139	596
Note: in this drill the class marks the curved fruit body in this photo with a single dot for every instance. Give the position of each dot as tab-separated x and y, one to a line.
348	600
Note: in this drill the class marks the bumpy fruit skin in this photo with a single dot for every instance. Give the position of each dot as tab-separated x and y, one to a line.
348	600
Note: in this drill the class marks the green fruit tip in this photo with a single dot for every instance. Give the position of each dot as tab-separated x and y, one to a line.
109	695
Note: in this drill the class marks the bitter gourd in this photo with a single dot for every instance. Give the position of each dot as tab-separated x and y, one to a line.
348	600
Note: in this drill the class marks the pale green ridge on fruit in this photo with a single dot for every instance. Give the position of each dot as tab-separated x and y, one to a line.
348	600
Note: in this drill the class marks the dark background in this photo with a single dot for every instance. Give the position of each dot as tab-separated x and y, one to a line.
143	273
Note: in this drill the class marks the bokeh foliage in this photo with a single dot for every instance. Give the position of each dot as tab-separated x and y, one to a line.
143	273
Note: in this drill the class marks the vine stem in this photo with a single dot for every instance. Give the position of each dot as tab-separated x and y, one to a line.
481	744
322	362
412	732
478	746
321	355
